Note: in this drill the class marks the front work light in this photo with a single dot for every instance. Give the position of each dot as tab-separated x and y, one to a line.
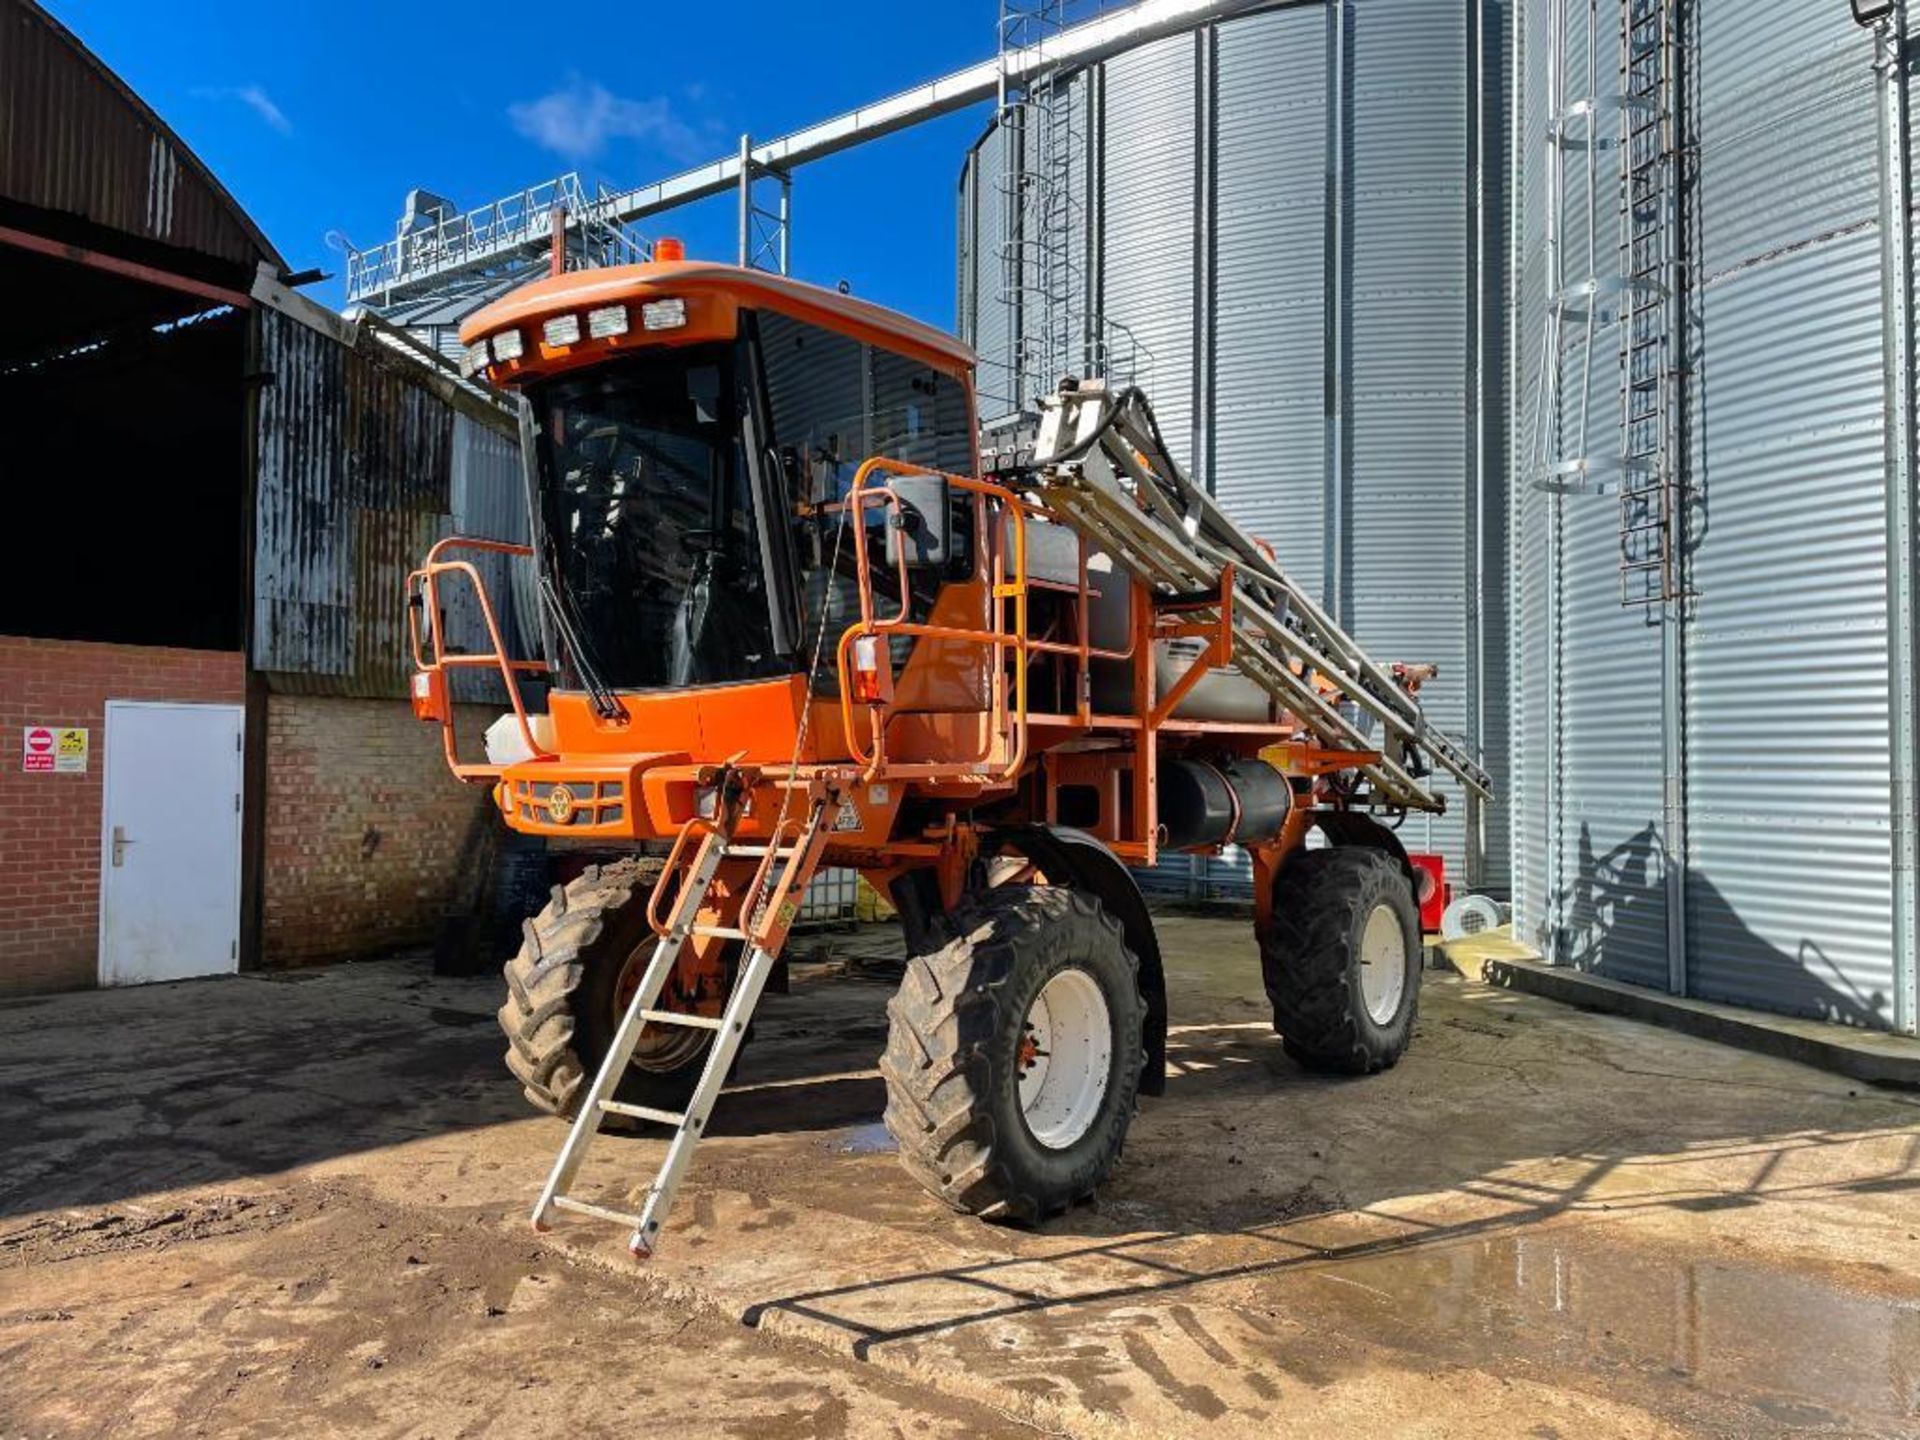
664	314
609	321
562	330
507	345
475	360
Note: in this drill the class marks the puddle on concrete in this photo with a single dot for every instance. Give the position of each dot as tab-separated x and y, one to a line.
1793	1346
1712	1345
865	1140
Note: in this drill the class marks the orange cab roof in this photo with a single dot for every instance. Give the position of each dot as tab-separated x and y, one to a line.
630	284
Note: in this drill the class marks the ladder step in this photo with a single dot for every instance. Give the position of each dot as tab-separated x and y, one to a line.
674	1118
675	1017
728	1031
598	1212
754	852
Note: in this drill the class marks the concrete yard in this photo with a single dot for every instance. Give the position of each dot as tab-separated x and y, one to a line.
295	1204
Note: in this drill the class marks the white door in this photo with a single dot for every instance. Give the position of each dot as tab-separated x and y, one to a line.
170	842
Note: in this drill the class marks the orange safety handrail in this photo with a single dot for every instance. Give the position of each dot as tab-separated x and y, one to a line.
423	593
708	832
773	916
1009	723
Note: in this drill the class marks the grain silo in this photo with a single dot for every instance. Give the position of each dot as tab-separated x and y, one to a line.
1712	785
1288	226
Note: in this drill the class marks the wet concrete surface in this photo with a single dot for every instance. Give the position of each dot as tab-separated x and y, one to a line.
1542	1223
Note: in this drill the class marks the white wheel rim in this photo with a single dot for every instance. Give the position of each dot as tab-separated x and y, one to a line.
1383	964
1066	1050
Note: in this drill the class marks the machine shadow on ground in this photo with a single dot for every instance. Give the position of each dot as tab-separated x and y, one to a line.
1165	1264
1587	1240
106	1095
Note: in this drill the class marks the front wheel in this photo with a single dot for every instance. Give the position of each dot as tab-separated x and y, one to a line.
571	982
1341	959
1014	1053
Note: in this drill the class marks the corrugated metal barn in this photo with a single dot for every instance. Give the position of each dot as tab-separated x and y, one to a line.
228	485
1292	223
366	456
366	453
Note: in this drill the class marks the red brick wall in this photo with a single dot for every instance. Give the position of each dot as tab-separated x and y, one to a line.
50	824
370	841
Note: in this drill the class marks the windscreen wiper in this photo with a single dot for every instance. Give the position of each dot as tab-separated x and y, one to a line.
555	596
558	599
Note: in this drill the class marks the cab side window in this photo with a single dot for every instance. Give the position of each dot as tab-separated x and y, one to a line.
817	391
837	403
919	415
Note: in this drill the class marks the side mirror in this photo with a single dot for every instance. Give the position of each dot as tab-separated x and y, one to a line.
1872	12
925	518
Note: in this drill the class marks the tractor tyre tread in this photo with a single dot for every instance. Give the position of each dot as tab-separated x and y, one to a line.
546	973
1307	959
948	1021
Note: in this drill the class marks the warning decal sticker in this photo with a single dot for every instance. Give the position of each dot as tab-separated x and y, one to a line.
54	750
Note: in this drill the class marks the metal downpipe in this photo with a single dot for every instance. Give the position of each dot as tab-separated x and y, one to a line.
1903	556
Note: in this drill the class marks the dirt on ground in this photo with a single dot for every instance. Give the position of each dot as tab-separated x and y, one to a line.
311	1308
296	1205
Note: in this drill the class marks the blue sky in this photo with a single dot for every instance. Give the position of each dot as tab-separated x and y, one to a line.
319	117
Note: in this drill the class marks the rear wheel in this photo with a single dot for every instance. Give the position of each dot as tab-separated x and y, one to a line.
1014	1053
1341	959
578	966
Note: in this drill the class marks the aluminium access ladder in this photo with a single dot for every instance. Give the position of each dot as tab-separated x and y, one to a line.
768	907
1101	467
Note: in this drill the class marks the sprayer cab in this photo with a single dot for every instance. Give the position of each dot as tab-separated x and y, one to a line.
690	427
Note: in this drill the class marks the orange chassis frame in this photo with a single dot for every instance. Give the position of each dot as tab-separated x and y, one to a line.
642	776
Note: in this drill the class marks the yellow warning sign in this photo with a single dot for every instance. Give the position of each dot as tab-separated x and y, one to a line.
70	750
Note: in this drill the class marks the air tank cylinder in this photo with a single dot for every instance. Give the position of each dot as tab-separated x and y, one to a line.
1202	802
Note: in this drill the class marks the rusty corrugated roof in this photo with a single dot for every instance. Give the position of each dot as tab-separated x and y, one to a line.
75	139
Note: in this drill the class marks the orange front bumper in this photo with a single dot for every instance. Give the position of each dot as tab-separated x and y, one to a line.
607	797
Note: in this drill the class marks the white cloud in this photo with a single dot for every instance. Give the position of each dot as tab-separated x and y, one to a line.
579	119
255	99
